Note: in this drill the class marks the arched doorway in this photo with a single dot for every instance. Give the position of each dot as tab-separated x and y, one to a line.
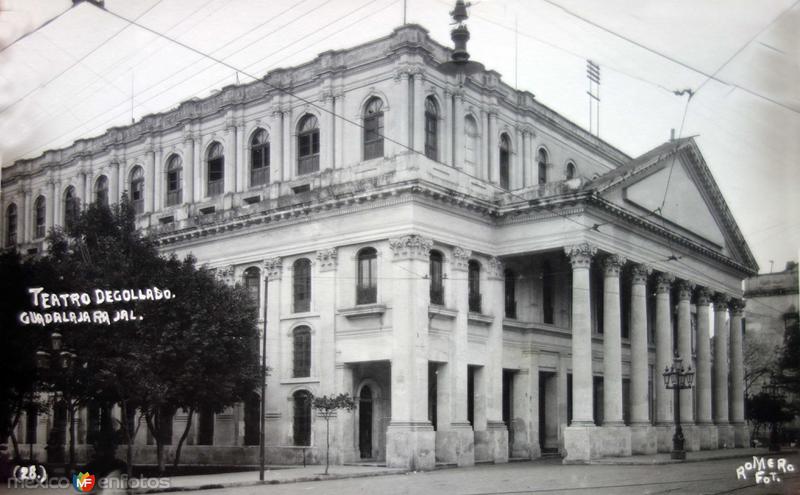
365	422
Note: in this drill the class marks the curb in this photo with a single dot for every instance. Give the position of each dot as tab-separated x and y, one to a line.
652	462
237	484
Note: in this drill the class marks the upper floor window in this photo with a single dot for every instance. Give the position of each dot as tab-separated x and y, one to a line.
216	169
301	418
431	128
40	211
474	281
70	207
137	189
252	278
511	294
367	288
373	129
307	145
174	180
301	353
101	190
11	225
437	276
259	158
570	171
541	159
302	285
505	154
548	294
472	137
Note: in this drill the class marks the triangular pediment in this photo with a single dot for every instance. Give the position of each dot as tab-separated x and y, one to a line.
672	186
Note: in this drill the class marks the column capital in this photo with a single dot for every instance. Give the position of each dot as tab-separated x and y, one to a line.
494	269
461	258
721	301
327	259
273	268
685	289
411	246
580	255
664	282
640	273
736	306
612	264
704	296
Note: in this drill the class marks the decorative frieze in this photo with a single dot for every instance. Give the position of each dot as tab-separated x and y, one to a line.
461	258
273	267
612	264
327	259
411	246
580	255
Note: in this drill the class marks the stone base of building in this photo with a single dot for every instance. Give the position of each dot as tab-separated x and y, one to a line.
707	436
741	435
456	445
411	445
691	439
491	444
664	434
584	443
725	436
643	439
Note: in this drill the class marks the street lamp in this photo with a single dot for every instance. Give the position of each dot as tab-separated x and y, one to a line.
774	391
677	378
64	360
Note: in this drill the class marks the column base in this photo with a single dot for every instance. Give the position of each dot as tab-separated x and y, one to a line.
741	435
725	436
411	445
706	435
456	445
643	439
664	435
491	444
584	443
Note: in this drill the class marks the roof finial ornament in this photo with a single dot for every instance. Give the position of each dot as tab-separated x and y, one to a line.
459	60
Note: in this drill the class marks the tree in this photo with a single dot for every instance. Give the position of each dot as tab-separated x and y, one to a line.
326	406
761	357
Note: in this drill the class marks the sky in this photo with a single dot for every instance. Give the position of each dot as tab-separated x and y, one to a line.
72	72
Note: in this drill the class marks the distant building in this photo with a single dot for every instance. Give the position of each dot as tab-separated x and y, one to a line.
486	277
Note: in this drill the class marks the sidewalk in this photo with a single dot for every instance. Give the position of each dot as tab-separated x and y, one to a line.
274	476
699	456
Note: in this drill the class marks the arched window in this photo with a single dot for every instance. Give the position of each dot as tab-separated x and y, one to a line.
307	145
259	158
216	169
511	294
101	190
373	129
570	170
301	418
137	189
367	288
302	285
174	180
252	279
40	210
471	142
431	128
436	274
301	352
11	225
505	155
474	281
70	207
542	161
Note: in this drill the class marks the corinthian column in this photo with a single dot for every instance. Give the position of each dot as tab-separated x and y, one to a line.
664	413
703	378
720	359
612	342
685	345
737	375
580	257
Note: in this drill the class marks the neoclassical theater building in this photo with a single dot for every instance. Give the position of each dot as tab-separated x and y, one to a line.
485	277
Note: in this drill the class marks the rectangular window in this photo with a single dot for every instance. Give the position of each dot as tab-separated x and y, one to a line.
205	427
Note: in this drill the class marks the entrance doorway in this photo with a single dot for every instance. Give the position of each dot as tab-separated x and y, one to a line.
548	412
365	422
508	406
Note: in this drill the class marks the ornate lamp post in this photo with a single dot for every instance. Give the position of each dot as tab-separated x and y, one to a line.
774	391
64	362
677	378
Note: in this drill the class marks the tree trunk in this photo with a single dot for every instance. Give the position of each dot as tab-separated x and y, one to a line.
327	443
129	436
160	455
13	435
183	437
71	418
